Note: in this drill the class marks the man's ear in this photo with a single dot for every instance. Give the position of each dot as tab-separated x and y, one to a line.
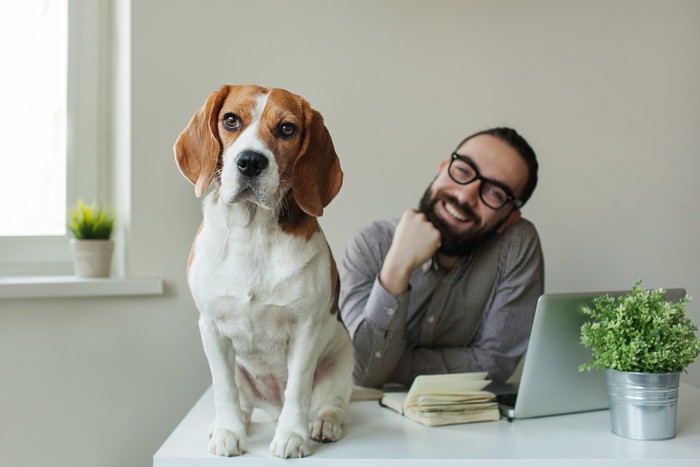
512	218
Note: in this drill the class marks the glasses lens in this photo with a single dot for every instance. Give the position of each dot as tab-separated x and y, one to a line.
461	172
493	195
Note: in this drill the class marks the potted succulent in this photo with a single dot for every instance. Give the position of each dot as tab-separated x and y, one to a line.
643	341
92	226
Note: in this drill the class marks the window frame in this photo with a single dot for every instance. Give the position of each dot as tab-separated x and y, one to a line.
87	138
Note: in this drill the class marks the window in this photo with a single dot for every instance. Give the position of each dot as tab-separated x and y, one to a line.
33	43
54	136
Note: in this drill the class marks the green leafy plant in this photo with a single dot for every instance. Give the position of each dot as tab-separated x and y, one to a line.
90	222
640	332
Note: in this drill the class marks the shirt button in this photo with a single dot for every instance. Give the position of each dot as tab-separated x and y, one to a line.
378	355
390	311
431	319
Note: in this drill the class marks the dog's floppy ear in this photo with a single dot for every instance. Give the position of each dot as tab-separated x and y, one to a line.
317	175
198	148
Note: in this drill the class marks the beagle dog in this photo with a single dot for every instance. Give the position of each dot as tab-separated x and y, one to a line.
261	272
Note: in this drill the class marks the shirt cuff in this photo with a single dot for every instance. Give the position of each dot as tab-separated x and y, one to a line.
385	310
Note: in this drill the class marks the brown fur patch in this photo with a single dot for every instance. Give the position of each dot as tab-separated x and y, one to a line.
295	221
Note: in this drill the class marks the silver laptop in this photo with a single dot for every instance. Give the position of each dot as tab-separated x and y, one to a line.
551	383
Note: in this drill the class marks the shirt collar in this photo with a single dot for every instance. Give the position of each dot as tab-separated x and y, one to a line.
433	265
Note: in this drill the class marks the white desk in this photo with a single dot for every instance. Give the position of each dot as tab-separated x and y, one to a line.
377	437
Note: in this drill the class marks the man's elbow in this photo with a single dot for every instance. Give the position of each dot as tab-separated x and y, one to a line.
365	378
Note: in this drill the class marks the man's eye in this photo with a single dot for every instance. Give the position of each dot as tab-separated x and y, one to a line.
465	171
232	122
497	194
286	130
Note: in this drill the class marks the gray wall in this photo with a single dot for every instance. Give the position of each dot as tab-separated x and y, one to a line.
606	91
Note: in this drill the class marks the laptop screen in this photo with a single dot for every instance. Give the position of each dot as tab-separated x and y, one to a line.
551	383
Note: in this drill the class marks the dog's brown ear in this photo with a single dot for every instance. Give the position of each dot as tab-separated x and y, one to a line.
198	148
317	175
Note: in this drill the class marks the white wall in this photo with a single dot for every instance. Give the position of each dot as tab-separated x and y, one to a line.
606	92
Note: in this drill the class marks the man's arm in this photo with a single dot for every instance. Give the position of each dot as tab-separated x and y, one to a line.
416	240
375	292
503	335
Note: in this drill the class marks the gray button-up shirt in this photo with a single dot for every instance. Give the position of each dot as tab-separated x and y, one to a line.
475	317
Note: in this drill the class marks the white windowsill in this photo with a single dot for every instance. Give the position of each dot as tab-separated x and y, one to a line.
73	286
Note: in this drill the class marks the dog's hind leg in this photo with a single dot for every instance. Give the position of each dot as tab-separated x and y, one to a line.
326	421
330	397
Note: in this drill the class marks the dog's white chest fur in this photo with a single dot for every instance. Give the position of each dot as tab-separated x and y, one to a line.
256	282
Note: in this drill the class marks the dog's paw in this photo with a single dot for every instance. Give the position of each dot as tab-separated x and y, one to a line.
290	444
325	430
226	443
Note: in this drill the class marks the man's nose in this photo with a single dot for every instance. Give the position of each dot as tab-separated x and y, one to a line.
469	194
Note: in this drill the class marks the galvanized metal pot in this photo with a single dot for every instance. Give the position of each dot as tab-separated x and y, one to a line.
643	405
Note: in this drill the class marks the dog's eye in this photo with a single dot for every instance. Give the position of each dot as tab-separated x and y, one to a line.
286	130
232	122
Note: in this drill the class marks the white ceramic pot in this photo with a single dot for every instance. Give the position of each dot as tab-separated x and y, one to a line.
92	258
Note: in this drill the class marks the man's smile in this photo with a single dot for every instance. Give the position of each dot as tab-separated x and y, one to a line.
456	214
453	210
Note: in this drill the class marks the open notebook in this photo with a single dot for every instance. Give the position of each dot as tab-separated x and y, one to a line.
551	383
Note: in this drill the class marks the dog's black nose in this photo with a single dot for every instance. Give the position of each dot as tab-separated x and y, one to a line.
251	163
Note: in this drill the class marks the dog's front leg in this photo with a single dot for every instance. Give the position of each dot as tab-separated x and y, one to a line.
292	433
228	432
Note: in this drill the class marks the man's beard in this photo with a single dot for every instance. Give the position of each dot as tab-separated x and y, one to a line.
454	244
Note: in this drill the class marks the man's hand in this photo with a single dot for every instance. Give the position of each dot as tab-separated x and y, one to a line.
415	241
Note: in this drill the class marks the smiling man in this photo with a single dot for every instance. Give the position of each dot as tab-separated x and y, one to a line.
452	286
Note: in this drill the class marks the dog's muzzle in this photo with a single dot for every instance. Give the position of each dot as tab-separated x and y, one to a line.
251	163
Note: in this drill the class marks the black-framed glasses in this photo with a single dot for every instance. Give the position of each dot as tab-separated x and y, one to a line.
494	194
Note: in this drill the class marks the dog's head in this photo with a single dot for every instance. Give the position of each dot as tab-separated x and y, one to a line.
256	144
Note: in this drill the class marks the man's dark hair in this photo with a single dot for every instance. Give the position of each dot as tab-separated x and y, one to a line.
517	142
